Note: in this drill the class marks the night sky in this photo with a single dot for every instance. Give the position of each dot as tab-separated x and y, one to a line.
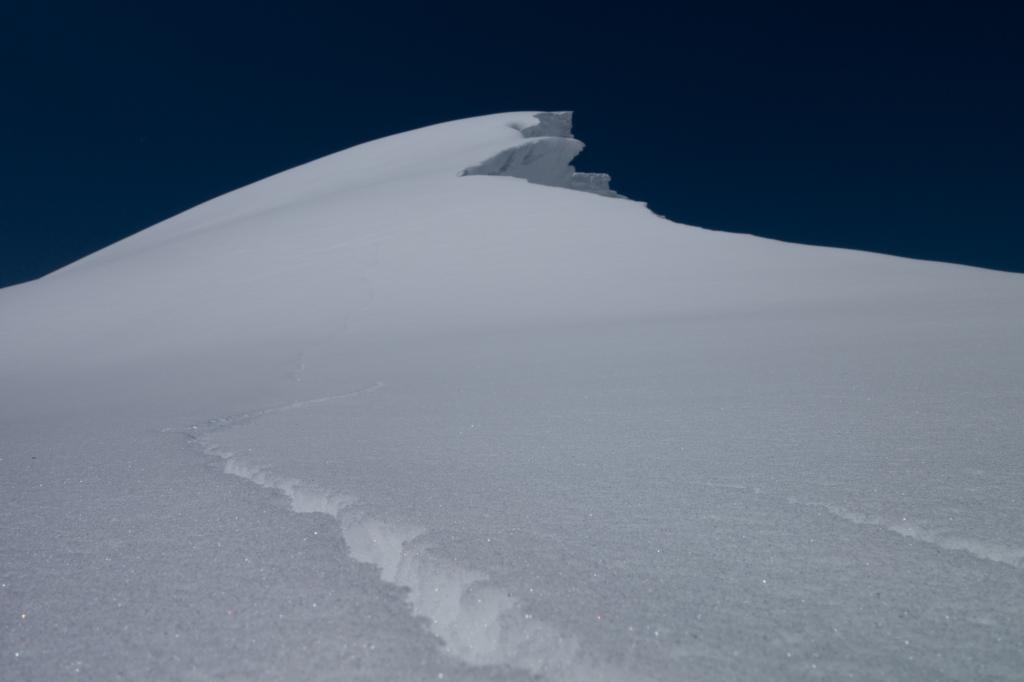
897	131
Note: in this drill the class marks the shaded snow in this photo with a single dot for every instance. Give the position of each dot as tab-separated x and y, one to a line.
546	159
531	433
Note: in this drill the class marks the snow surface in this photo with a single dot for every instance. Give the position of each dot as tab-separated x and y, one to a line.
528	432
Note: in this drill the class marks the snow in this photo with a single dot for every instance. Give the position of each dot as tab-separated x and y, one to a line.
546	159
481	426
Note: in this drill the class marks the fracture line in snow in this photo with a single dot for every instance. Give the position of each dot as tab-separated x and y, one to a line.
479	623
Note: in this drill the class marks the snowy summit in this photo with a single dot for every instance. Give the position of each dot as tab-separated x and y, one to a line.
422	409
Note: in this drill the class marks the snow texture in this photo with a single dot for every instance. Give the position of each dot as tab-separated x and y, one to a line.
415	411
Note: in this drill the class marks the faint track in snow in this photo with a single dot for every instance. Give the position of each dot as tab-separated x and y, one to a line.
1011	556
980	549
223	423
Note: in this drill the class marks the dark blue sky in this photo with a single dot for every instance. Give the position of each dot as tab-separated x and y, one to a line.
896	130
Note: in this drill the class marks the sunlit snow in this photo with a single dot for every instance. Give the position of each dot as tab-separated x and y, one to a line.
528	431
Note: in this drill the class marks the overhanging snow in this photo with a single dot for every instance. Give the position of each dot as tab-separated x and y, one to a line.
545	158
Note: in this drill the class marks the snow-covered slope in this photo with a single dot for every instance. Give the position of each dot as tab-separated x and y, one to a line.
545	432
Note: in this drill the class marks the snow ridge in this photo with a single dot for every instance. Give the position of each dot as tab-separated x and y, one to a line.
478	622
545	158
